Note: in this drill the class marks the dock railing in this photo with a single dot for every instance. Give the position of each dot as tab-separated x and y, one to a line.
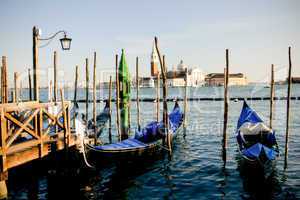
32	130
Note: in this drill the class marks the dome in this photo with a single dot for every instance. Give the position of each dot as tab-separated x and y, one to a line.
181	66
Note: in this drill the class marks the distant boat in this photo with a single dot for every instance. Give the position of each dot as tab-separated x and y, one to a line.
257	142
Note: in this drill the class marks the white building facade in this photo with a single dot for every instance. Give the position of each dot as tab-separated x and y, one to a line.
176	77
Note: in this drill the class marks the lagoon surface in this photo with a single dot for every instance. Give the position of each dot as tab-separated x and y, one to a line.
194	171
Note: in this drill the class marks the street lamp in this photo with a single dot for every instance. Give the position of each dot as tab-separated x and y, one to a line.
65	45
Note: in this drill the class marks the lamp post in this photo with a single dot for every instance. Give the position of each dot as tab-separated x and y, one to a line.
65	45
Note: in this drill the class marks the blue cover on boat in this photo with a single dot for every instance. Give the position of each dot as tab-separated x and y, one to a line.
248	115
175	118
150	133
130	143
255	151
154	130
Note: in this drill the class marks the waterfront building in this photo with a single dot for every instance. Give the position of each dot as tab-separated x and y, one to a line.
217	79
176	77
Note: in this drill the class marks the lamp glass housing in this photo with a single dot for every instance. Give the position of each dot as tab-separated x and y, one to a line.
65	43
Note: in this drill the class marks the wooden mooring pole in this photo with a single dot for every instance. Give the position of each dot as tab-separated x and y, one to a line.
87	90
117	99
129	115
185	100
109	103
3	128
1	82
226	78
4	81
29	85
94	99
75	91
55	75
165	105
271	96
16	95
157	96
288	101
76	84
137	94
35	66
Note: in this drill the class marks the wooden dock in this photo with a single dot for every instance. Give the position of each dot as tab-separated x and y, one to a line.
30	131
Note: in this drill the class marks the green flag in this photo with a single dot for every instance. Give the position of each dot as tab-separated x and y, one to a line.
124	83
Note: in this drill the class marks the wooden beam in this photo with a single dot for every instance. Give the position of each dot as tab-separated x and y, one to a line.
22	125
3	128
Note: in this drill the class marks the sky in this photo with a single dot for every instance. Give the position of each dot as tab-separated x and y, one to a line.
256	32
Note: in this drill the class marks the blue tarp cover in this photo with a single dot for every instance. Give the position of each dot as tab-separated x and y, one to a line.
125	144
148	134
254	151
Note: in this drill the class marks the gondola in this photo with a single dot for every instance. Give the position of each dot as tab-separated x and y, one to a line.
148	139
101	121
257	142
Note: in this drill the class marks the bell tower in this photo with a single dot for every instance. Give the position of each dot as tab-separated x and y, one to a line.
154	61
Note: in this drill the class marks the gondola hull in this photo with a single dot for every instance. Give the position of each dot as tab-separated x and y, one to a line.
150	149
257	142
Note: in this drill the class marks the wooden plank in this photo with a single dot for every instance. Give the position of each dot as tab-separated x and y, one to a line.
3	128
23	126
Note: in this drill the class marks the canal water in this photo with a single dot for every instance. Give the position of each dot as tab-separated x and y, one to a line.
195	169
